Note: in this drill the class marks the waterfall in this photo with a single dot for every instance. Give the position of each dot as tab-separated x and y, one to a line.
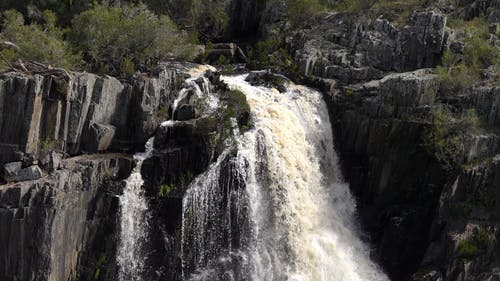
134	216
133	223
278	208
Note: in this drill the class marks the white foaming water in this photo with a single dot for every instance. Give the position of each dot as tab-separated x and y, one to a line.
202	92
134	215
302	213
133	223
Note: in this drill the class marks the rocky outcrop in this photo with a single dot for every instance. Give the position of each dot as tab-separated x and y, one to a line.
182	151
349	49
88	113
224	53
424	217
49	225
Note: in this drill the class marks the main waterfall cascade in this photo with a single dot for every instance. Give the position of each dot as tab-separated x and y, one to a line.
295	213
274	209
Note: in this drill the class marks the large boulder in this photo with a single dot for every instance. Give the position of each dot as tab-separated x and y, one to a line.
10	170
100	137
29	173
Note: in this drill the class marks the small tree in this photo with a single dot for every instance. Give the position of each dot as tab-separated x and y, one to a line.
43	43
132	35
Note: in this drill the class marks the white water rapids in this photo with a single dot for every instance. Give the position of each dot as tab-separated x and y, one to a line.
274	209
301	215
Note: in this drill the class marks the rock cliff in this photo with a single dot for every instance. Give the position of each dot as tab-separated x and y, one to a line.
428	218
50	226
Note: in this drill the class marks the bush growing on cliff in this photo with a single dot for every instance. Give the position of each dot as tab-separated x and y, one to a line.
463	70
40	42
271	53
443	138
123	38
301	10
475	245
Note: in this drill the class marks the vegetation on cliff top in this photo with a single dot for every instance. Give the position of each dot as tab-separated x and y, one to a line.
119	40
43	42
113	40
461	69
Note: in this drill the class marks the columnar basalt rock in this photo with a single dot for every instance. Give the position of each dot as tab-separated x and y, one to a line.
349	49
418	211
47	224
88	113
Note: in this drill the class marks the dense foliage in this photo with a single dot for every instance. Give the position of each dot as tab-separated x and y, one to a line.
40	42
444	137
117	40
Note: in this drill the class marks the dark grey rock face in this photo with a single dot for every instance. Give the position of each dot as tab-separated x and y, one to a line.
100	137
351	49
421	43
10	170
418	212
88	113
48	224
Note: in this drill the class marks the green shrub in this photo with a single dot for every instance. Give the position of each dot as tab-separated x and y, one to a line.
127	67
238	108
355	6
49	144
455	78
444	136
108	34
42	43
272	54
475	245
467	249
301	10
459	71
165	189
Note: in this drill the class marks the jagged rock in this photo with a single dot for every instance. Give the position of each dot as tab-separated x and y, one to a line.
49	225
246	16
100	137
479	7
457	47
50	160
30	173
380	124
353	49
420	44
38	109
494	17
273	19
230	51
432	275
267	79
10	170
185	112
